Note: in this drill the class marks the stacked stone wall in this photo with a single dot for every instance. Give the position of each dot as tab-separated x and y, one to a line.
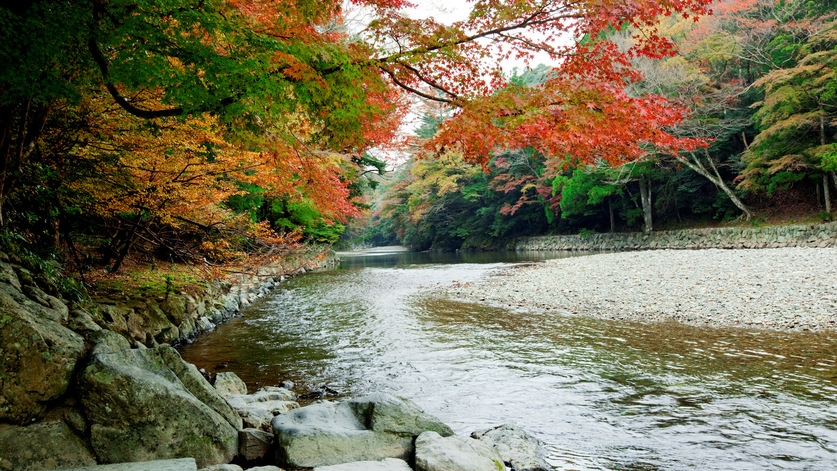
812	235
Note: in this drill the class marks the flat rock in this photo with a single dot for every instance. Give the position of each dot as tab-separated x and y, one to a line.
437	453
181	464
388	464
223	467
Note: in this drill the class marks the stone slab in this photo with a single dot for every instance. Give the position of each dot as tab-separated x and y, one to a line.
389	464
180	464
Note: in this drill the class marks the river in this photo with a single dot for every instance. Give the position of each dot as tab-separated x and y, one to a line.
602	395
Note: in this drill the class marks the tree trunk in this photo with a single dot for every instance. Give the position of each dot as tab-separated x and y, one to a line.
645	196
716	179
833	177
826	194
819	193
612	217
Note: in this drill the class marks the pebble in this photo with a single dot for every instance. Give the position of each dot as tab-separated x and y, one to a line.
788	289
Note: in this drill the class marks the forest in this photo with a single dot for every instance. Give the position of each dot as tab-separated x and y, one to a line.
755	82
221	134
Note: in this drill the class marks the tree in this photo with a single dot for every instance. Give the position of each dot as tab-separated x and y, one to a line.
796	119
287	84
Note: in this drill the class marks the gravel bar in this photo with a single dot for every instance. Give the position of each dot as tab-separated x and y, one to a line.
788	289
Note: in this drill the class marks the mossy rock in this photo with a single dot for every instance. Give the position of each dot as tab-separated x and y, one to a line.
38	360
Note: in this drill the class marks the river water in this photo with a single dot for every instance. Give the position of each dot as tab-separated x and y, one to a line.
602	395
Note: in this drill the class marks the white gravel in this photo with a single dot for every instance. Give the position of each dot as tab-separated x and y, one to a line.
783	289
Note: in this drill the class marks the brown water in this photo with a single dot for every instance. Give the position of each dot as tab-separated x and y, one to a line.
603	395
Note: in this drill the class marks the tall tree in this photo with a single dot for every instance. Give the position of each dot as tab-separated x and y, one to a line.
796	119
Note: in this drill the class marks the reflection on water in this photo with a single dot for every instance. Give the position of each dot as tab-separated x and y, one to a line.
602	394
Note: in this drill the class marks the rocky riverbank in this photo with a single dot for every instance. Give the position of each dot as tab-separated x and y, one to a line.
84	387
99	383
791	289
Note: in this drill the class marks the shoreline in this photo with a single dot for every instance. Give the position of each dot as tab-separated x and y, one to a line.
784	289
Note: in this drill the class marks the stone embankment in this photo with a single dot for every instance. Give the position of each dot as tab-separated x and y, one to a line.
813	235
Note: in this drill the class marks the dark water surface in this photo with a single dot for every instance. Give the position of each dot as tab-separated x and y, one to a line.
603	395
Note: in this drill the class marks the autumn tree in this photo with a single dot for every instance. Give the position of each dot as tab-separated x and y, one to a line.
288	85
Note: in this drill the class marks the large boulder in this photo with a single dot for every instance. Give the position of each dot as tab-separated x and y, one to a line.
517	447
37	353
366	429
149	404
48	444
437	453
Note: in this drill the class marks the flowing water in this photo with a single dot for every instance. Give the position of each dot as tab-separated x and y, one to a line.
603	395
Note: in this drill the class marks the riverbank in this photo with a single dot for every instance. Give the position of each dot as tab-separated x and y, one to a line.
98	381
791	289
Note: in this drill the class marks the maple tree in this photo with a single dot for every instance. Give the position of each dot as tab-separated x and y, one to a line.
195	112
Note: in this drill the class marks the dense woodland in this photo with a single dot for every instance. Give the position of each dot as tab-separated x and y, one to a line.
221	133
756	80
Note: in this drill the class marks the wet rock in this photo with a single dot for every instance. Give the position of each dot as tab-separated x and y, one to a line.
389	464
437	453
516	446
228	383
38	357
150	404
44	445
254	446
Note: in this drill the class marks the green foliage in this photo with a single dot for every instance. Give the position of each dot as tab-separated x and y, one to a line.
795	119
44	264
584	191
